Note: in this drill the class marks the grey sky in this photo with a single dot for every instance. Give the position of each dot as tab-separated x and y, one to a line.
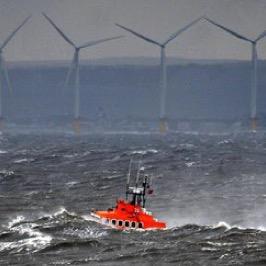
84	20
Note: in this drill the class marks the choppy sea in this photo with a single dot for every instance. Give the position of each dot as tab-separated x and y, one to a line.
209	189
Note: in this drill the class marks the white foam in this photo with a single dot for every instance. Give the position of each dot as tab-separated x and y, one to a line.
17	220
222	224
59	212
219	244
71	183
23	160
89	218
262	228
226	141
228	226
190	164
35	241
209	249
85	233
144	152
6	172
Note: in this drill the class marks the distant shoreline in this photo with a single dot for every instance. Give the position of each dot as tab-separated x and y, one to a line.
140	61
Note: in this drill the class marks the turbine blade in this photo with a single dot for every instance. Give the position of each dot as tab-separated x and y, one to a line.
59	30
91	43
237	35
139	35
70	70
14	32
174	35
5	72
261	36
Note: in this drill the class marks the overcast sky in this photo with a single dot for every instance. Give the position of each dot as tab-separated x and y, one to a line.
85	20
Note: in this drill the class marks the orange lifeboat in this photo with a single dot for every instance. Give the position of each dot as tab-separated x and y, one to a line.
131	214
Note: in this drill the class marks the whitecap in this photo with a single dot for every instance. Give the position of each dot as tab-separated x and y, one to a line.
71	183
262	228
61	211
6	173
219	244
24	160
15	221
190	164
35	241
209	249
144	152
225	141
228	226
222	224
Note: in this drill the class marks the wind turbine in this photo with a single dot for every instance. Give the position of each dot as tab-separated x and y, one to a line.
163	66
74	68
3	68
254	78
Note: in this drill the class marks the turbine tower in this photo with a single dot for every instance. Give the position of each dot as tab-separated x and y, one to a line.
163	71
74	68
254	78
3	69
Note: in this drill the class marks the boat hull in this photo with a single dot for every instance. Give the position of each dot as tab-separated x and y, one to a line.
127	216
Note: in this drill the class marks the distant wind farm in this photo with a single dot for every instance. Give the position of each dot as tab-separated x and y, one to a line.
73	74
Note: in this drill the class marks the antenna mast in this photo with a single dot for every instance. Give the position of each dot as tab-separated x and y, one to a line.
128	178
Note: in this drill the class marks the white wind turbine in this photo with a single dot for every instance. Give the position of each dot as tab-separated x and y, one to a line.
163	66
254	78
3	68
74	68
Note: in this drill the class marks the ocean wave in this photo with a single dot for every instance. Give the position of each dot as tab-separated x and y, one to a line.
32	239
31	234
220	225
6	173
239	227
71	244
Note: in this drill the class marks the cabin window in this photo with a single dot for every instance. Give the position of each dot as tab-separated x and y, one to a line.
140	225
120	223
114	222
126	223
133	224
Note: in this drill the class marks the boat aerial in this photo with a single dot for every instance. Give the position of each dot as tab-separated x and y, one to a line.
131	213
